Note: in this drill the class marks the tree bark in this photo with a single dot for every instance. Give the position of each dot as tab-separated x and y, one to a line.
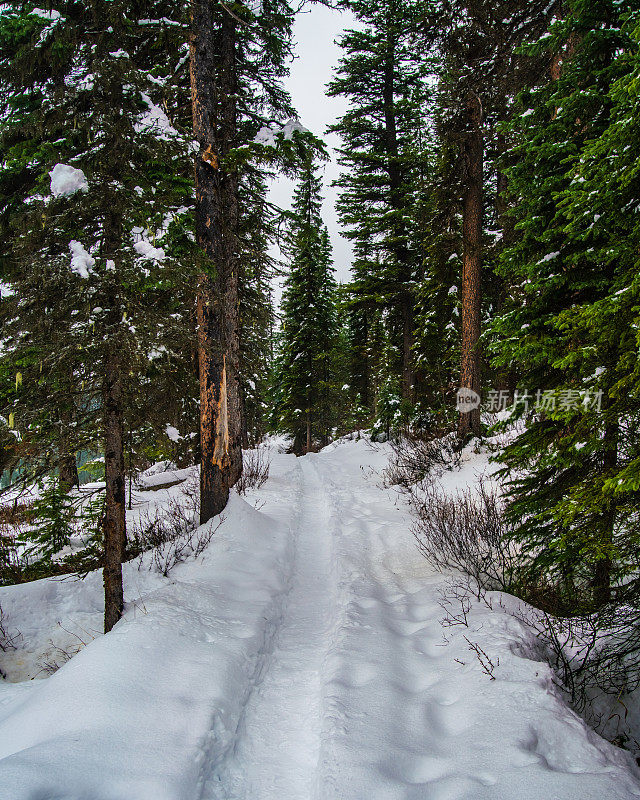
114	520
401	252
67	466
214	100
408	372
469	422
506	379
309	446
603	567
68	472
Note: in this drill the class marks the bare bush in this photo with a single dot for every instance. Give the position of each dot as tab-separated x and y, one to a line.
487	664
8	640
593	655
172	534
468	532
57	656
15	513
455	601
12	563
415	459
255	470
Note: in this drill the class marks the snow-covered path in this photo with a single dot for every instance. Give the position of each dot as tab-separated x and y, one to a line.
302	658
279	735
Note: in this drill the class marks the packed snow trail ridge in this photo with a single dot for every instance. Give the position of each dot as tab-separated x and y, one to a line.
277	751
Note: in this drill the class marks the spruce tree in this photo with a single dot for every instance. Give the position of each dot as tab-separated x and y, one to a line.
383	74
239	58
305	377
480	69
570	328
92	163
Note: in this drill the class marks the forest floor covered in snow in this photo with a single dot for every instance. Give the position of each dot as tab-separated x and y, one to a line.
300	657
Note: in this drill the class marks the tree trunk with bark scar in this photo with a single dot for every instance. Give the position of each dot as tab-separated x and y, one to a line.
114	520
469	423
214	99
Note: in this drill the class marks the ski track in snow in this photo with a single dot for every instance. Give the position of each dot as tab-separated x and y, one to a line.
276	752
302	659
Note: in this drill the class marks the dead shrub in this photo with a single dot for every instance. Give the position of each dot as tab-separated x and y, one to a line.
173	534
415	459
595	656
15	513
12	563
57	656
8	640
255	470
468	532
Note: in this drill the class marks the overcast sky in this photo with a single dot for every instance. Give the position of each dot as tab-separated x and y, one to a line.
315	33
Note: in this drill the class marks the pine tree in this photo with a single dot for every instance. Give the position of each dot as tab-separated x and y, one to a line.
305	376
384	76
575	272
52	525
92	162
258	268
480	69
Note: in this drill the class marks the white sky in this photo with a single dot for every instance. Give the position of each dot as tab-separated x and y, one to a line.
315	33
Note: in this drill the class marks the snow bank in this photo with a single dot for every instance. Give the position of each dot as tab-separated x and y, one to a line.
136	714
66	180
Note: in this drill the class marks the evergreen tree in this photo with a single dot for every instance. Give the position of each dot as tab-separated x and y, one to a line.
52	525
239	58
305	375
383	74
570	328
92	162
480	69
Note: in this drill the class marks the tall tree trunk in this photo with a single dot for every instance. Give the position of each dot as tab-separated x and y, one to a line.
235	409
244	422
603	567
507	377
214	99
67	466
309	446
469	422
401	251
408	372
114	519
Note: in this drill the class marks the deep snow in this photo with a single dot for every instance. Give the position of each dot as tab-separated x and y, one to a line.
301	658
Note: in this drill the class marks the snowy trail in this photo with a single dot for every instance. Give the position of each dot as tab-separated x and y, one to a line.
276	755
301	658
